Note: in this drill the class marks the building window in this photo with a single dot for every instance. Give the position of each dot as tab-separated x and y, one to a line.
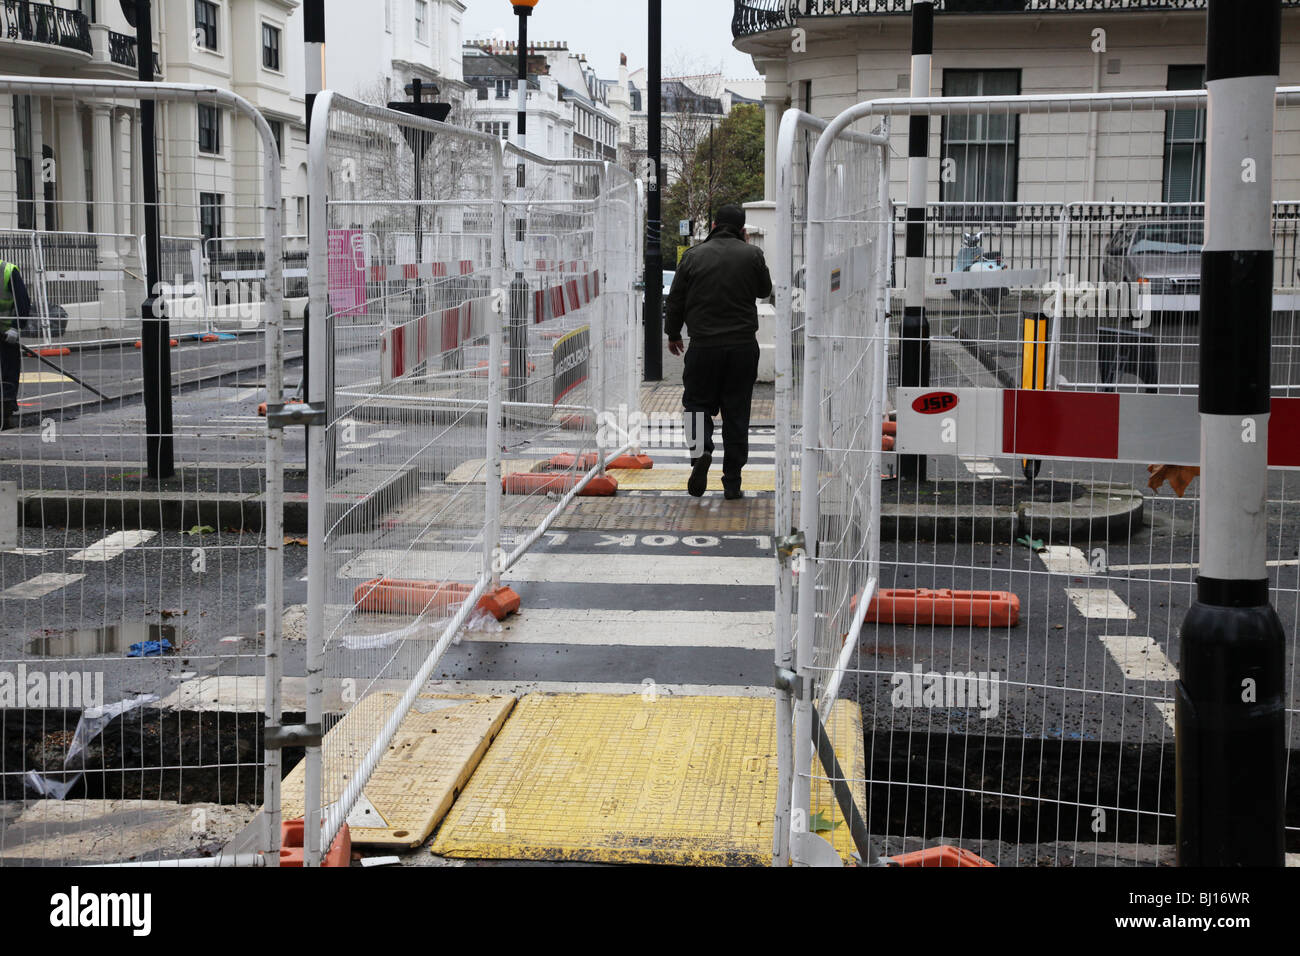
503	88
205	24
209	129
1184	176
210	215
271	47
23	153
388	15
983	146
499	130
277	131
421	18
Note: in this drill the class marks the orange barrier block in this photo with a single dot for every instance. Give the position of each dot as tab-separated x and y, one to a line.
173	343
568	460
399	596
340	851
890	428
886	442
632	461
527	483
955	608
939	856
209	338
53	353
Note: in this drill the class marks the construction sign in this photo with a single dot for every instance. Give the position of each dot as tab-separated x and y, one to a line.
571	358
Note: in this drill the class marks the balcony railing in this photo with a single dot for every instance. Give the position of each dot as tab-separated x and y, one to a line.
45	23
121	50
758	16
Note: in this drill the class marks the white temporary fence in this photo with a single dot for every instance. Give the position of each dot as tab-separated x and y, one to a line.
151	608
455	400
1034	724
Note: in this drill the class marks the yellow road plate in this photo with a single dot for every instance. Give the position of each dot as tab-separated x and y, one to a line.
432	754
622	779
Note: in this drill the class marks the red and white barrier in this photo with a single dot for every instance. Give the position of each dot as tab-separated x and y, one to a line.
566	297
404	347
1097	426
392	272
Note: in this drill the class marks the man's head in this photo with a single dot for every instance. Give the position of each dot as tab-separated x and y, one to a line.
730	215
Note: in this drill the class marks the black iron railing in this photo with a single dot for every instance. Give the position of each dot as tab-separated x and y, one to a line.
45	23
121	50
758	16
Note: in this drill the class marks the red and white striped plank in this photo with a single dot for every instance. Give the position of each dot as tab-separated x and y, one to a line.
1096	426
391	272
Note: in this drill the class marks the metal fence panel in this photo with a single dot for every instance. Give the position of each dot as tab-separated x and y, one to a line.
140	613
1045	737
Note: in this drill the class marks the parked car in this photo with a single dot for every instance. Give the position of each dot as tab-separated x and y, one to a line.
1161	258
668	285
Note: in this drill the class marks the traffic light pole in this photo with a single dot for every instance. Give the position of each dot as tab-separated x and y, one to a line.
1230	702
654	259
914	345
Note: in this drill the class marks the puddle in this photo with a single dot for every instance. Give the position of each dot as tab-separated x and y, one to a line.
108	639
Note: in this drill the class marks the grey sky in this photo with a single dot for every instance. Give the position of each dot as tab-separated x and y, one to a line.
697	33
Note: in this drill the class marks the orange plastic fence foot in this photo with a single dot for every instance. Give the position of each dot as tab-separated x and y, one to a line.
53	353
886	443
889	428
632	461
172	342
601	486
500	603
568	460
399	596
944	607
539	482
340	851
939	856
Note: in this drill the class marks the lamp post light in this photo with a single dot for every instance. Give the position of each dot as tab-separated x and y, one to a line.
517	342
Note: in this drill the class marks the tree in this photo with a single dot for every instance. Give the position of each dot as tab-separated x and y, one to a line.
725	166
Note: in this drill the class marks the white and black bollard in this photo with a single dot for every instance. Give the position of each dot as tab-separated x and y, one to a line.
914	348
1230	700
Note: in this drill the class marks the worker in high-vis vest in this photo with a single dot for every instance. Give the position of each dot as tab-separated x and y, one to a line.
14	305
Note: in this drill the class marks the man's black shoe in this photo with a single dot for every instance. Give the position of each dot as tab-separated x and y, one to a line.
699	479
731	494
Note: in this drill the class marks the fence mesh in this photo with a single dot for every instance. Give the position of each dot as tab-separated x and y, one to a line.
1046	739
477	333
138	601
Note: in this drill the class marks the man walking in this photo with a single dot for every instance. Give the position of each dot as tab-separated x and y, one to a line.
713	294
13	306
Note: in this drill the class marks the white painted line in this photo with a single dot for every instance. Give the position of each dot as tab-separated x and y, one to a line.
551	567
751	630
32	552
387	434
981	467
357	445
40	585
1065	560
520	688
1100	604
113	546
1140	658
246	395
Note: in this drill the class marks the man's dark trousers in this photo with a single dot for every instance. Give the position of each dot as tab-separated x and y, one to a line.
11	365
720	377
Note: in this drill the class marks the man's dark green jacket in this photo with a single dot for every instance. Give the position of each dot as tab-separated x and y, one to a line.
714	290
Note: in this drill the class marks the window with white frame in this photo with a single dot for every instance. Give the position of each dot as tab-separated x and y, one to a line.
983	146
421	20
271	47
209	129
210	215
205	24
1184	174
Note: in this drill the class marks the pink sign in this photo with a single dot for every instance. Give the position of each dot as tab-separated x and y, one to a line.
347	272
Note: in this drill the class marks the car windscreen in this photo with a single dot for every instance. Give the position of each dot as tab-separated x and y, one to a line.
1171	238
668	279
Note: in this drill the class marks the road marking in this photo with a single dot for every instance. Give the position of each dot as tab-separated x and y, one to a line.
31	552
113	546
1100	604
358	445
751	630
981	467
40	585
387	434
1140	658
41	378
1065	560
244	396
596	687
556	567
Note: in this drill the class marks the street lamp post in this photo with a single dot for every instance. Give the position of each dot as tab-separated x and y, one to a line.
518	356
155	330
654	253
